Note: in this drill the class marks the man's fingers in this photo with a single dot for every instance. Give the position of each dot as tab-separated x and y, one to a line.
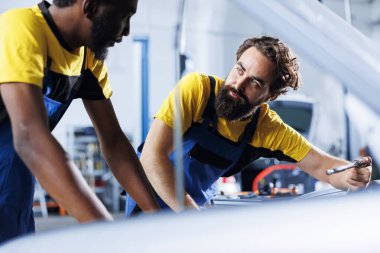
355	185
365	161
360	175
358	178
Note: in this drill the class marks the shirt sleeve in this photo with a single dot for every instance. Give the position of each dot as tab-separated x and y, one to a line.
23	48
284	138
193	91
97	86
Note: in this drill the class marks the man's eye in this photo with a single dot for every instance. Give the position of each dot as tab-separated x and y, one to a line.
256	83
239	70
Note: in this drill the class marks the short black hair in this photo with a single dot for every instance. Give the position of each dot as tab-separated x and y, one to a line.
63	3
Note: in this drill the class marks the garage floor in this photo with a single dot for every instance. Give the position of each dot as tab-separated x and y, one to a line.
56	221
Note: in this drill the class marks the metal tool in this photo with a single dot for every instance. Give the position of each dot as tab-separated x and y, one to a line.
364	162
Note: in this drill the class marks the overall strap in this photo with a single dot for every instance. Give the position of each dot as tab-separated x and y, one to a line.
79	82
63	108
249	130
44	7
209	112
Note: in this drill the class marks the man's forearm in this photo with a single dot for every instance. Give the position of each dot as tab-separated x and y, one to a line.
338	180
160	172
126	167
353	178
59	177
317	162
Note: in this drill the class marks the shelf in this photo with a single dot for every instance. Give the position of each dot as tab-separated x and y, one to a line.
84	149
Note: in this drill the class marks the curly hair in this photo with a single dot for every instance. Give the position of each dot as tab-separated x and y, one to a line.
280	55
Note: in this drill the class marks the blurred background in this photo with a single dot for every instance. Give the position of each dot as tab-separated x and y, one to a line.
336	42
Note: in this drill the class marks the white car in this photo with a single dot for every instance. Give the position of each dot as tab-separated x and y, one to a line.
345	223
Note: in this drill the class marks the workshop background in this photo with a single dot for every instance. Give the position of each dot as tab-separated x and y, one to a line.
336	41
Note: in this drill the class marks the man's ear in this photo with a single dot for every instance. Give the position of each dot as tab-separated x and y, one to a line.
89	7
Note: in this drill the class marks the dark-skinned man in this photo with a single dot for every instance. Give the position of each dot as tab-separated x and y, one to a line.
50	55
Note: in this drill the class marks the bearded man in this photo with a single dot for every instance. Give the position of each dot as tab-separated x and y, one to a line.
226	124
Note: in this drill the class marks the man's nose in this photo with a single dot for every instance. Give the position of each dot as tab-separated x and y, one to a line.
126	29
241	83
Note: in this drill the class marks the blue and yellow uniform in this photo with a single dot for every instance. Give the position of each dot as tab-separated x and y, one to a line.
214	147
32	51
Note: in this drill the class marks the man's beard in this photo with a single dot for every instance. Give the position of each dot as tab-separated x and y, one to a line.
100	37
231	108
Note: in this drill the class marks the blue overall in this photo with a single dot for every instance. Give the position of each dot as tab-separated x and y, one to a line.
207	155
16	181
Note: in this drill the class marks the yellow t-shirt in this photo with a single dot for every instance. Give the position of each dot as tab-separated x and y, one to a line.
29	40
273	138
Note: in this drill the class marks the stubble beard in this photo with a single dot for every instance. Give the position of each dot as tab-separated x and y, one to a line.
99	37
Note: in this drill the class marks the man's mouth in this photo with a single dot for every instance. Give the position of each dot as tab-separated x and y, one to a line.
118	39
235	94
112	42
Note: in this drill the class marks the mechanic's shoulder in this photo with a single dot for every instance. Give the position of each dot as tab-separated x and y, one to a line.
18	16
192	80
268	116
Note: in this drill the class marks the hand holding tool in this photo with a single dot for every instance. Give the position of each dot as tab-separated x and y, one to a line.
364	162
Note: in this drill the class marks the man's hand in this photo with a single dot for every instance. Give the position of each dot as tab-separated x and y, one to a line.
317	163
190	203
358	178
